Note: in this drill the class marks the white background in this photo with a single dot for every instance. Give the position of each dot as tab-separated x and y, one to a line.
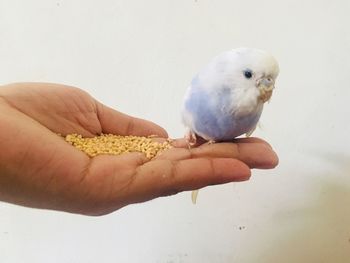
138	57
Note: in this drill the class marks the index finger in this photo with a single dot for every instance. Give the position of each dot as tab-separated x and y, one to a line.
256	153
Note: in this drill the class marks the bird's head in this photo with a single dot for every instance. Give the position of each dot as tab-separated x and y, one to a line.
257	69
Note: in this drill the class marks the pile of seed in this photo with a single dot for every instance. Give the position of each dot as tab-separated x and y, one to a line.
116	144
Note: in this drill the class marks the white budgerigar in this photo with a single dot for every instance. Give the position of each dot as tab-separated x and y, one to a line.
226	98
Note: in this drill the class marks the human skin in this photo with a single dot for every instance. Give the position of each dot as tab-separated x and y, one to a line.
39	169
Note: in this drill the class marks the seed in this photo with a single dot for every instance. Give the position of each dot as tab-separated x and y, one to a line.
117	144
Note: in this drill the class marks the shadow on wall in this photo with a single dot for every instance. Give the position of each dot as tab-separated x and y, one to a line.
318	230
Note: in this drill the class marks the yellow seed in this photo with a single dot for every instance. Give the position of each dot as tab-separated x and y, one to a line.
117	144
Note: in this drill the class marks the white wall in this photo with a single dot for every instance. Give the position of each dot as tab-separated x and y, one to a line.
139	56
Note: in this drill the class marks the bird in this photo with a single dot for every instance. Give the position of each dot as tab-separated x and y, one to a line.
225	99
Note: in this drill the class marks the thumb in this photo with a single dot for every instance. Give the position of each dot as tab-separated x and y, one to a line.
115	122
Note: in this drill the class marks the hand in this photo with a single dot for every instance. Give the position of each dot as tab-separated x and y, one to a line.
39	169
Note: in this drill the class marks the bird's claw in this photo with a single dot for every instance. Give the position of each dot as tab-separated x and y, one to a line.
191	139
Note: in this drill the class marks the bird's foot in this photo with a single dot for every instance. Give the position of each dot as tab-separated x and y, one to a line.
249	133
191	138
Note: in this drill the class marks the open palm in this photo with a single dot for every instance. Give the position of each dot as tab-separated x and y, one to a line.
39	169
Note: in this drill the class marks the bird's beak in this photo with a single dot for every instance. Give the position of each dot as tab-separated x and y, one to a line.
265	86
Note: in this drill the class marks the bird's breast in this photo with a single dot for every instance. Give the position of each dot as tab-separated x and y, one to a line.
217	115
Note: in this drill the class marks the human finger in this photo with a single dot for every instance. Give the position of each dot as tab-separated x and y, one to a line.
166	177
116	122
254	154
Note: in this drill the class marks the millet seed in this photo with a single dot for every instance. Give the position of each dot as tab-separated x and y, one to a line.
117	144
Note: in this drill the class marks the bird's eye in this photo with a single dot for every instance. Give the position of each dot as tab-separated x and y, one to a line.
248	73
